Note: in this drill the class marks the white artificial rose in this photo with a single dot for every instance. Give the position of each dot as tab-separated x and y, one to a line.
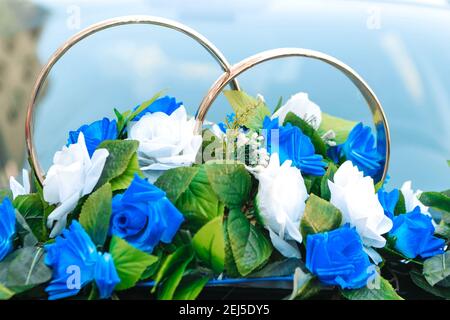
412	198
354	195
301	106
165	141
73	175
18	189
281	203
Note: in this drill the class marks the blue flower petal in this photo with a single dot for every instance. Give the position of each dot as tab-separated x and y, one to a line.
165	104
7	227
144	216
106	276
95	133
388	201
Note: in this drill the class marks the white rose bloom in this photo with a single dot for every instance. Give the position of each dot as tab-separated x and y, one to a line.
165	141
301	106
281	202
73	175
355	196
412	198
16	188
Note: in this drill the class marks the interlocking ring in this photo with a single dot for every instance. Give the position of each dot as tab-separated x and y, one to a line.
106	24
379	117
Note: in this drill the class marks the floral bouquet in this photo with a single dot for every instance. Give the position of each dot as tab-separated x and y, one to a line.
296	195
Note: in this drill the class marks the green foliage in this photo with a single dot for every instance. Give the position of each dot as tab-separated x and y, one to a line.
305	285
176	181
199	203
129	261
123	181
120	163
381	290
437	268
96	213
319	216
171	272
31	208
5	293
190	287
329	175
250	112
279	268
340	126
24	269
420	281
319	145
438	201
230	182
209	244
124	118
400	207
250	248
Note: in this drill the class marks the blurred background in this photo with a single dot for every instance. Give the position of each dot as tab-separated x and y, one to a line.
401	48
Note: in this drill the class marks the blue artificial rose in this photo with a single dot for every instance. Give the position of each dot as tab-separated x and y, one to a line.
7	227
165	104
361	150
95	133
337	258
75	262
388	201
413	233
293	145
143	216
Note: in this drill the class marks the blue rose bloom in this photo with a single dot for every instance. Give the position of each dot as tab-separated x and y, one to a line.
75	262
293	145
165	104
337	258
95	133
414	235
361	150
144	216
388	201
7	227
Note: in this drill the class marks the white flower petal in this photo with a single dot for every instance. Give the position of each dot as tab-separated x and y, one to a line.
59	215
302	107
412	198
289	250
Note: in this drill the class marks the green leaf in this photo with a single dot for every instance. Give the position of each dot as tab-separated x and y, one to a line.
121	152
198	203
96	214
438	201
176	181
230	182
329	175
279	104
129	261
443	230
319	216
340	126
24	269
420	281
5	293
123	181
382	290
305	285
209	244
280	268
319	145
250	248
24	232
230	267
400	207
190	287
144	105
172	270
31	208
250	112
437	268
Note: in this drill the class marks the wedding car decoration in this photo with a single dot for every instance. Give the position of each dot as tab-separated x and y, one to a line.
142	201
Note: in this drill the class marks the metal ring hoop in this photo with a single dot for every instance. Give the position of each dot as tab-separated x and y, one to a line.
106	24
379	117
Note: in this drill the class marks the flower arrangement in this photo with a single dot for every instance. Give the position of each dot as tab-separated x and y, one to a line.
295	194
